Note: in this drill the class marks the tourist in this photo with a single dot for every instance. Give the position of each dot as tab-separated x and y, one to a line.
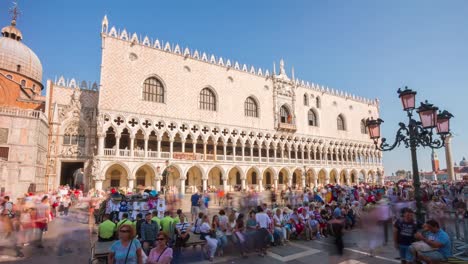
208	234
263	222
161	253
137	224
124	220
438	239
337	226
126	250
106	229
278	225
182	234
149	230
198	222
239	234
195	201
403	234
167	223
42	219
312	227
220	234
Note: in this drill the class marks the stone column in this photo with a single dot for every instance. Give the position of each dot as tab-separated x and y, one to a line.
194	147
132	143
101	139
98	184
158	184
274	154
448	158
215	150
243	152
204	150
205	184
224	150
303	178
289	154
146	146
159	146
183	146
130	185
243	183
117	146
182	186
225	185
315	180
251	152
268	154
303	158
275	182
260	184
171	148
234	151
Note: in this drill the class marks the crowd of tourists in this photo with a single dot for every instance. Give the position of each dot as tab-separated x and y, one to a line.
24	222
150	227
252	225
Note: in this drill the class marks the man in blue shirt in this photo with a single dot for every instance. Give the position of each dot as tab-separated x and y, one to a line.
195	200
438	239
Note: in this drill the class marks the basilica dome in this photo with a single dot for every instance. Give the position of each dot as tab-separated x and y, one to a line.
464	162
17	57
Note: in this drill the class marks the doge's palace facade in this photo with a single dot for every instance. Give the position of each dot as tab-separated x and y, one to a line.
169	116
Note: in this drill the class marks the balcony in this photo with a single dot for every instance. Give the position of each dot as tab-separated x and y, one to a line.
287	127
189	156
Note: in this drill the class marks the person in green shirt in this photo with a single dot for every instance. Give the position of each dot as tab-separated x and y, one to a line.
156	218
167	222
106	229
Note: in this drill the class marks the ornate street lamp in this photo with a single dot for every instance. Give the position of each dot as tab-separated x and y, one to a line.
414	134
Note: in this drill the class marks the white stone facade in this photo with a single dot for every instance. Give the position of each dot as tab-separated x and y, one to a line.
222	148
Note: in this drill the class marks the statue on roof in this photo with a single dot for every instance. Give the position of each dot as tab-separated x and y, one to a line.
282	71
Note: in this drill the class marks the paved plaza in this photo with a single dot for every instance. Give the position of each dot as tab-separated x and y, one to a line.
69	240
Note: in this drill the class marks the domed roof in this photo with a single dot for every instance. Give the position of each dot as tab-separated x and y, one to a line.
464	162
17	57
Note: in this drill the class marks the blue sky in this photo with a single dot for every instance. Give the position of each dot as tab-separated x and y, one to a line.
369	48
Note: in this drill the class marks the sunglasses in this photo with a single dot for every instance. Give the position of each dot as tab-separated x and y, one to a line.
160	239
124	231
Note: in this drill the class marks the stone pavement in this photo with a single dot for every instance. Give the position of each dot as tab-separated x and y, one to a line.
66	241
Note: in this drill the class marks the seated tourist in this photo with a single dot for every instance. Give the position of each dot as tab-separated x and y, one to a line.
182	234
437	239
106	229
161	253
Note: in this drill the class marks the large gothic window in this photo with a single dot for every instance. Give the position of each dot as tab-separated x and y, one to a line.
312	118
285	116
207	99
250	107
74	135
317	102
340	123
306	100
363	127
153	90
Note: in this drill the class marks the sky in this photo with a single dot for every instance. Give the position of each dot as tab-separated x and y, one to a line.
368	48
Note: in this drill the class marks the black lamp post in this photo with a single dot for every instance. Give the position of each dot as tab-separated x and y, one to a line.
414	134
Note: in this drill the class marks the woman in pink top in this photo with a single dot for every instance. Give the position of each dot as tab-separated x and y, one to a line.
161	254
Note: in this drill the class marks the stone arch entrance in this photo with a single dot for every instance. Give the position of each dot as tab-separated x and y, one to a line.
253	177
234	178
144	177
268	178
322	177
333	177
343	178
215	178
194	179
310	178
283	176
116	176
171	178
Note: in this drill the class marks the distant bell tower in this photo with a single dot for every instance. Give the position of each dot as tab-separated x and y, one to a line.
435	162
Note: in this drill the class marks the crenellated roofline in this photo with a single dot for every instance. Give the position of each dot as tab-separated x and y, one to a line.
74	84
134	39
